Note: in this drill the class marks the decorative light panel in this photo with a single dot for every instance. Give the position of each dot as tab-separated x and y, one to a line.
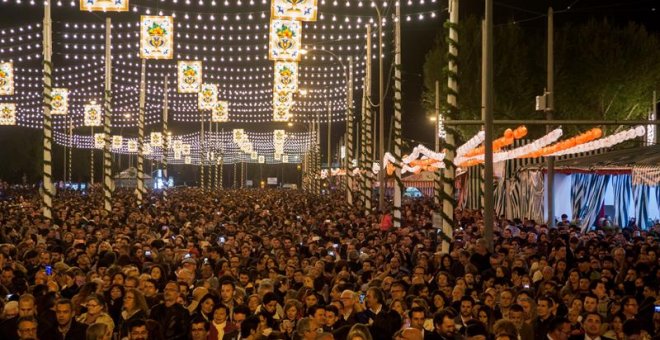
104	5
60	101
286	76
303	10
156	139
6	79
285	40
117	142
132	145
99	140
7	114
156	37
189	76
92	114
220	112
207	97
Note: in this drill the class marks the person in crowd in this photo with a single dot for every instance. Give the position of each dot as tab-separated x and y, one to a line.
98	331
68	328
173	318
271	257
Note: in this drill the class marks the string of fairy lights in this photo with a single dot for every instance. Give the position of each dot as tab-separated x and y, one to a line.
232	41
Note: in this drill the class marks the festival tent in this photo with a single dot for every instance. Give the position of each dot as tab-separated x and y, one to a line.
128	179
423	181
622	184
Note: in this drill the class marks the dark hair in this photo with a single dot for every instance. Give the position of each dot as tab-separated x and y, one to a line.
199	319
332	309
416	310
556	324
312	310
439	316
378	294
248	325
135	323
64	302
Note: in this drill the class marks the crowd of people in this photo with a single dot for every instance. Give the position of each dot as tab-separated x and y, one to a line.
284	264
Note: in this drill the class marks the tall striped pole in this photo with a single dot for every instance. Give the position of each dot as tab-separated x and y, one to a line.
221	160
448	175
91	159
140	191
398	184
242	174
48	192
166	137
368	121
349	135
107	113
437	184
69	159
209	158
202	155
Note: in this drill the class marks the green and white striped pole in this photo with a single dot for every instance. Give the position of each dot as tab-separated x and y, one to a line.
350	154
449	173
202	154
48	192
107	113
140	190
166	136
368	131
398	184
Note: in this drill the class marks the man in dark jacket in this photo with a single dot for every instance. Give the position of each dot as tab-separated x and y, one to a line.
173	318
381	321
67	327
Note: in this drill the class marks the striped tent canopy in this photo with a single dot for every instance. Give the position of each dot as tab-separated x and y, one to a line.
422	181
647	157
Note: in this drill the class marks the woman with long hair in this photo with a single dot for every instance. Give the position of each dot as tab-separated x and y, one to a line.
96	312
359	331
207	304
115	298
134	308
292	313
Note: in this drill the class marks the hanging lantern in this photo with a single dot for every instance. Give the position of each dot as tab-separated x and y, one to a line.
285	158
262	159
189	76
156	37
187	160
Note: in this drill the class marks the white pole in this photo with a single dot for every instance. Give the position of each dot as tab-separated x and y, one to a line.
349	134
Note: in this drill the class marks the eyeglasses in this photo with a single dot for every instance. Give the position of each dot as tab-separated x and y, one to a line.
92	305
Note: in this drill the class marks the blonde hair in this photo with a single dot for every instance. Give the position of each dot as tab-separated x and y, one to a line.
359	331
96	331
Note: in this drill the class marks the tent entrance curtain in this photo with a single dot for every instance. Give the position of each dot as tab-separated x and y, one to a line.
587	195
622	190
641	197
524	196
